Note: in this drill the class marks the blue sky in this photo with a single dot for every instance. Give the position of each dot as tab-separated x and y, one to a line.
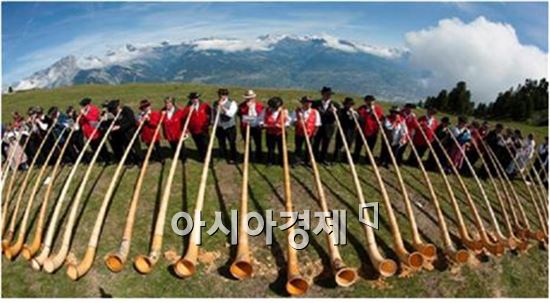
34	35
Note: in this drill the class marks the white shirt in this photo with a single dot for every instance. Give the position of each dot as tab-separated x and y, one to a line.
170	112
326	103
231	110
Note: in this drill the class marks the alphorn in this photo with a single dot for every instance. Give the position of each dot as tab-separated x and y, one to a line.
7	167
543	193
144	264
541	197
241	268
533	199
13	250
344	276
186	265
30	250
55	260
458	256
37	261
428	251
495	249
78	269
11	230
501	238
115	261
473	245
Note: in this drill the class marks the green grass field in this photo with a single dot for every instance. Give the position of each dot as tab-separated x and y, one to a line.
512	275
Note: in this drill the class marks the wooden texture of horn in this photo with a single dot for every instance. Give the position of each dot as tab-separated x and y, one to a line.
496	249
7	196
296	284
428	251
115	261
544	195
186	266
144	264
343	275
542	224
241	268
79	269
501	238
55	260
460	256
37	261
473	245
11	229
7	167
14	249
385	267
30	250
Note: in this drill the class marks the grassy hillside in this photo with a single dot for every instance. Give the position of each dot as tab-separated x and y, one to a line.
512	275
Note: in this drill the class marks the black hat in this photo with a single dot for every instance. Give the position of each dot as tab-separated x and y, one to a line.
53	110
462	119
410	105
223	92
193	95
85	101
112	105
348	100
275	102
38	109
369	98
306	99
326	90
395	109
31	111
143	104
432	110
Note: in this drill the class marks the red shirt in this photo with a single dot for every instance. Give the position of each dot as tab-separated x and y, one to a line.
309	123
370	126
429	130
200	118
89	121
172	126
149	127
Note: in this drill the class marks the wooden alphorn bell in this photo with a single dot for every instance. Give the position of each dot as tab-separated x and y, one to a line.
15	249
11	230
37	261
186	265
144	264
30	250
56	260
78	269
460	256
496	249
115	261
241	268
473	245
343	275
428	251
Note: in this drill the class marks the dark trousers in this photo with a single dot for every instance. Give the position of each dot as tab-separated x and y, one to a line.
224	136
273	141
397	151
183	152
321	141
119	143
157	152
104	155
256	136
201	141
349	135
299	142
371	142
74	148
421	150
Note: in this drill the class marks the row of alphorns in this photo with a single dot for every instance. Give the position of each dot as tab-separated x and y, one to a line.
516	233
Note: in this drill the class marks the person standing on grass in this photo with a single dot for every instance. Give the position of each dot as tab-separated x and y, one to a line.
173	126
346	115
89	121
273	124
226	131
121	134
523	155
326	106
367	120
251	113
312	121
151	121
463	136
77	139
428	124
395	130
538	166
199	122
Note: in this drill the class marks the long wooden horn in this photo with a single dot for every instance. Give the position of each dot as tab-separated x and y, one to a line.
78	269
7	167
55	260
144	264
186	266
37	261
496	249
428	251
30	250
11	230
542	190
13	250
459	256
115	261
344	276
241	268
465	238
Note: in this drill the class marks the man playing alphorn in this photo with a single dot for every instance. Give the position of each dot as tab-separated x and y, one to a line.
152	120
199	122
251	113
312	121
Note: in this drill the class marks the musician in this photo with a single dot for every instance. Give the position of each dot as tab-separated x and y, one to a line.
251	113
122	132
326	106
312	121
523	155
173	125
428	124
346	116
151	121
89	121
77	139
273	124
463	135
395	130
539	166
199	122
367	114
226	131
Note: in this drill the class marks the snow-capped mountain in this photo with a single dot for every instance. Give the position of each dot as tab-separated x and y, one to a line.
268	61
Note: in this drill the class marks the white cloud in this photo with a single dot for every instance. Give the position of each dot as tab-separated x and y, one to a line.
485	54
229	45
